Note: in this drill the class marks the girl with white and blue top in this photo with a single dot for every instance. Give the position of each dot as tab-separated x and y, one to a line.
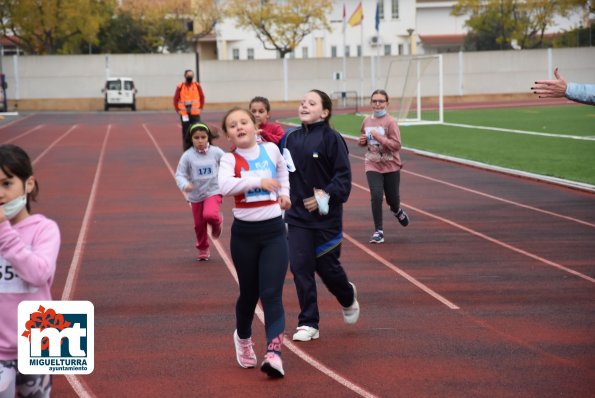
256	175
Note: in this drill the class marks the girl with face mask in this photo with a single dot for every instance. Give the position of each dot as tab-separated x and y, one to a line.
29	245
380	133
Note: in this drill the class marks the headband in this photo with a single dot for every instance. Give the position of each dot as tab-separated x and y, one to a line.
198	125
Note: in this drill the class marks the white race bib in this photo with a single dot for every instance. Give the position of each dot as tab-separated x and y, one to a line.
204	171
379	131
10	281
258	194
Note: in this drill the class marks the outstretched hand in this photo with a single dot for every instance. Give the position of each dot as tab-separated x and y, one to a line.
550	88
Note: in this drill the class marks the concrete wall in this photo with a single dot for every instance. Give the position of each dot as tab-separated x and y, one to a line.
75	82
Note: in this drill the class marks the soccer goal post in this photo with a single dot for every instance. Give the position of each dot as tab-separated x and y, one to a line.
419	81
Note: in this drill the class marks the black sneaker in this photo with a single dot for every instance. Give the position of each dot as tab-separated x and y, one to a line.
378	237
402	217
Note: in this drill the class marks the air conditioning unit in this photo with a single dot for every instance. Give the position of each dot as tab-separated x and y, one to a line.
375	40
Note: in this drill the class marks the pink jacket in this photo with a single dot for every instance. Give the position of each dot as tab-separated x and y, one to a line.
28	255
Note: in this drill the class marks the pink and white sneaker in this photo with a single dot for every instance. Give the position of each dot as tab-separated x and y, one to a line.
272	365
244	353
203	255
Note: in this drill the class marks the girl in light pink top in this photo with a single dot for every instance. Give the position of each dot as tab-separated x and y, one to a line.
29	245
380	133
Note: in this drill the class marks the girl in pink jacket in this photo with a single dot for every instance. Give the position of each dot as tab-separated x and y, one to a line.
29	245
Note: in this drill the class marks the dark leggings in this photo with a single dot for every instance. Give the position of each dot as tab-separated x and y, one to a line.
260	257
317	251
386	184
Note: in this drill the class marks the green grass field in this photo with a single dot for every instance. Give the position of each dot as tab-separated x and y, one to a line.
566	158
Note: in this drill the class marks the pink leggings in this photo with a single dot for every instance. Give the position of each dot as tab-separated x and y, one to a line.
206	212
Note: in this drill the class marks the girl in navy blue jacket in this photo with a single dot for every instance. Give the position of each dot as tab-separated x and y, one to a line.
320	183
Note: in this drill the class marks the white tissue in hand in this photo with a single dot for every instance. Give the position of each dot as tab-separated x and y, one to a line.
322	199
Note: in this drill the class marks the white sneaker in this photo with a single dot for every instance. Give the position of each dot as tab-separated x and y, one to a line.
351	313
306	333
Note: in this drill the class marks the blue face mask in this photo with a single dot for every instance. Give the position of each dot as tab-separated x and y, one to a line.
380	113
14	207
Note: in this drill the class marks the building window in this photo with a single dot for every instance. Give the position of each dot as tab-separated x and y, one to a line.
236	53
334	51
394	8
359	50
304	52
387	49
381	10
400	49
250	54
347	51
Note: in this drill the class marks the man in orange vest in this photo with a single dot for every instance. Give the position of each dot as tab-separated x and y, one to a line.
189	100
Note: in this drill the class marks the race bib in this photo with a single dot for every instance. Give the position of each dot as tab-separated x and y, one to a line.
258	194
185	118
379	131
10	281
204	171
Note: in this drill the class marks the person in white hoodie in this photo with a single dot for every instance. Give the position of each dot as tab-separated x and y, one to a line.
29	246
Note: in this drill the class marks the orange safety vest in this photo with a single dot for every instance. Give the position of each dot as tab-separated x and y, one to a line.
189	99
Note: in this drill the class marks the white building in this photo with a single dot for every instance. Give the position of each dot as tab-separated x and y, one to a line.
406	27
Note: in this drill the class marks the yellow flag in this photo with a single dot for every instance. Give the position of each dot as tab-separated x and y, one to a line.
357	17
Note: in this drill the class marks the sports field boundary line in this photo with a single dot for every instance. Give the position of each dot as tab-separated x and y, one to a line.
259	313
494	197
493	240
581	186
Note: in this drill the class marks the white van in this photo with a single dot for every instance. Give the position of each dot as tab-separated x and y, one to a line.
119	91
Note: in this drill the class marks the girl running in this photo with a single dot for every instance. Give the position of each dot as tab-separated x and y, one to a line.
320	184
256	175
267	132
29	245
197	177
382	162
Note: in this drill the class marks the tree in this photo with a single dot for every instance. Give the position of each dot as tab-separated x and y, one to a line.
283	25
52	26
502	24
171	25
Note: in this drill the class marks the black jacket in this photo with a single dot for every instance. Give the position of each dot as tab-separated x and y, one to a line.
321	160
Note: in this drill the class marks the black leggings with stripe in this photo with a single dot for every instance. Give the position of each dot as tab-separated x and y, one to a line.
260	257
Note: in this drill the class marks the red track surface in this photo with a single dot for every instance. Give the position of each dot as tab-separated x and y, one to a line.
489	292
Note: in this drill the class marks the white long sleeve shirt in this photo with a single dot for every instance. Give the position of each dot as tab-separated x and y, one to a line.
230	185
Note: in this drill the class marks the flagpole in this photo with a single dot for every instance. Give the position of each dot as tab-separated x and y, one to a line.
344	53
361	62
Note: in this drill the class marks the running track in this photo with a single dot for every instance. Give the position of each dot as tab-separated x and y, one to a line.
490	291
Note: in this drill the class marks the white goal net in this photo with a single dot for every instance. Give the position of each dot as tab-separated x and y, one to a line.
418	80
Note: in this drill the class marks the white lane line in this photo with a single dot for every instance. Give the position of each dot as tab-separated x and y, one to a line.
23	134
494	240
513	131
82	238
78	385
46	150
404	274
498	198
15	121
292	347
